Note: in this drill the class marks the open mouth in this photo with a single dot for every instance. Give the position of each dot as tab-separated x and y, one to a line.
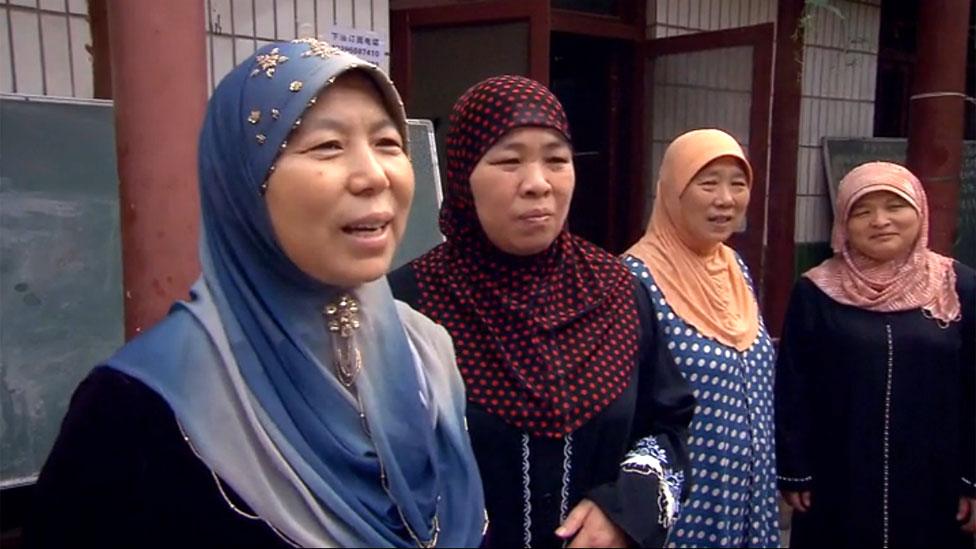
366	230
370	228
720	219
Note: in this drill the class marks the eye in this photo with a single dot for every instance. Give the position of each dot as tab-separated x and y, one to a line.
558	159
860	212
505	161
389	142
331	145
740	184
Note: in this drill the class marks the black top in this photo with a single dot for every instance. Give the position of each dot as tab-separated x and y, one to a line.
121	474
875	416
656	402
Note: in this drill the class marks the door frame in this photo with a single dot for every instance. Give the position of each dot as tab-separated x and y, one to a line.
761	39
404	22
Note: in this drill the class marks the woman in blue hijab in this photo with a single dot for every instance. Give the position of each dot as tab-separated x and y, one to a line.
291	400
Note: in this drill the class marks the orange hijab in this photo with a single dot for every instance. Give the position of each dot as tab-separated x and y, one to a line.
707	290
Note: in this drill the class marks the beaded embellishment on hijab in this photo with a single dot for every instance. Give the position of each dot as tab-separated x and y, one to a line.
317	48
268	63
342	319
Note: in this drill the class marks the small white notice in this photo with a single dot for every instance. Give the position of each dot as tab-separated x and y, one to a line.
369	45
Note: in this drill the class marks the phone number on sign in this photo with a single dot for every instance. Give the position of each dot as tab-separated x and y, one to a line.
364	52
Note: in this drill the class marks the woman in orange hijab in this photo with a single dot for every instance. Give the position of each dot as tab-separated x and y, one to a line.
706	308
875	416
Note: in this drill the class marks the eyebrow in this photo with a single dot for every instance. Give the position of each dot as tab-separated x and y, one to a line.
335	124
715	171
557	144
518	145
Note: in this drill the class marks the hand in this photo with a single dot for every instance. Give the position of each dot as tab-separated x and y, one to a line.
591	528
799	501
967	514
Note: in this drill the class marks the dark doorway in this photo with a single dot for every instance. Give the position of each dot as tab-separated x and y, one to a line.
585	75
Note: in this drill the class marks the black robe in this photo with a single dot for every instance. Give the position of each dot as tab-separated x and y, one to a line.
657	402
121	475
875	417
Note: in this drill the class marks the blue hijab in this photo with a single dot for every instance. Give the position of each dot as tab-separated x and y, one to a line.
246	363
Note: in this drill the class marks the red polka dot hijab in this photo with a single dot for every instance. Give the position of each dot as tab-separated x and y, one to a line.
544	342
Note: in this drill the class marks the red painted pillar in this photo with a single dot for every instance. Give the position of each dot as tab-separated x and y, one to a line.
935	116
783	153
159	75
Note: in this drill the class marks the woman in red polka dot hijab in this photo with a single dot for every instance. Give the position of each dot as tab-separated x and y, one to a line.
577	414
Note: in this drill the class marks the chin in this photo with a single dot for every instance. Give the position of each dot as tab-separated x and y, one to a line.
884	255
531	248
722	236
369	270
354	272
877	254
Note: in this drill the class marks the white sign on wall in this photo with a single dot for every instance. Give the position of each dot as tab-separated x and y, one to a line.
369	45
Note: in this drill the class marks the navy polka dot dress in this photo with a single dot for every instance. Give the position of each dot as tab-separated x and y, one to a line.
733	494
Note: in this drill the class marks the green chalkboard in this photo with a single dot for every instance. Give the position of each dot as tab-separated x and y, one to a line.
842	154
61	308
60	267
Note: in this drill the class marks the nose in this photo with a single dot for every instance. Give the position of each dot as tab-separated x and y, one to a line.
534	183
723	196
366	173
879	218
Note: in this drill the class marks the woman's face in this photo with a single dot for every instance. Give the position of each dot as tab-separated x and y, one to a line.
522	188
883	226
341	190
714	203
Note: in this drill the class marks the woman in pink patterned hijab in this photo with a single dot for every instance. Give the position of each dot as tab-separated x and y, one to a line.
875	266
876	379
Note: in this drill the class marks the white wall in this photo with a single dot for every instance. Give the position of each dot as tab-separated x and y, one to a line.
840	66
236	28
675	17
42	48
44	43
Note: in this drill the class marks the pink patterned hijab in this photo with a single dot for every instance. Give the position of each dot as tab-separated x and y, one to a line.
923	279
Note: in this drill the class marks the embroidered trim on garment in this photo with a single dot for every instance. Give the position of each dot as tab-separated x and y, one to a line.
567	466
648	458
887	432
526	493
792	479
